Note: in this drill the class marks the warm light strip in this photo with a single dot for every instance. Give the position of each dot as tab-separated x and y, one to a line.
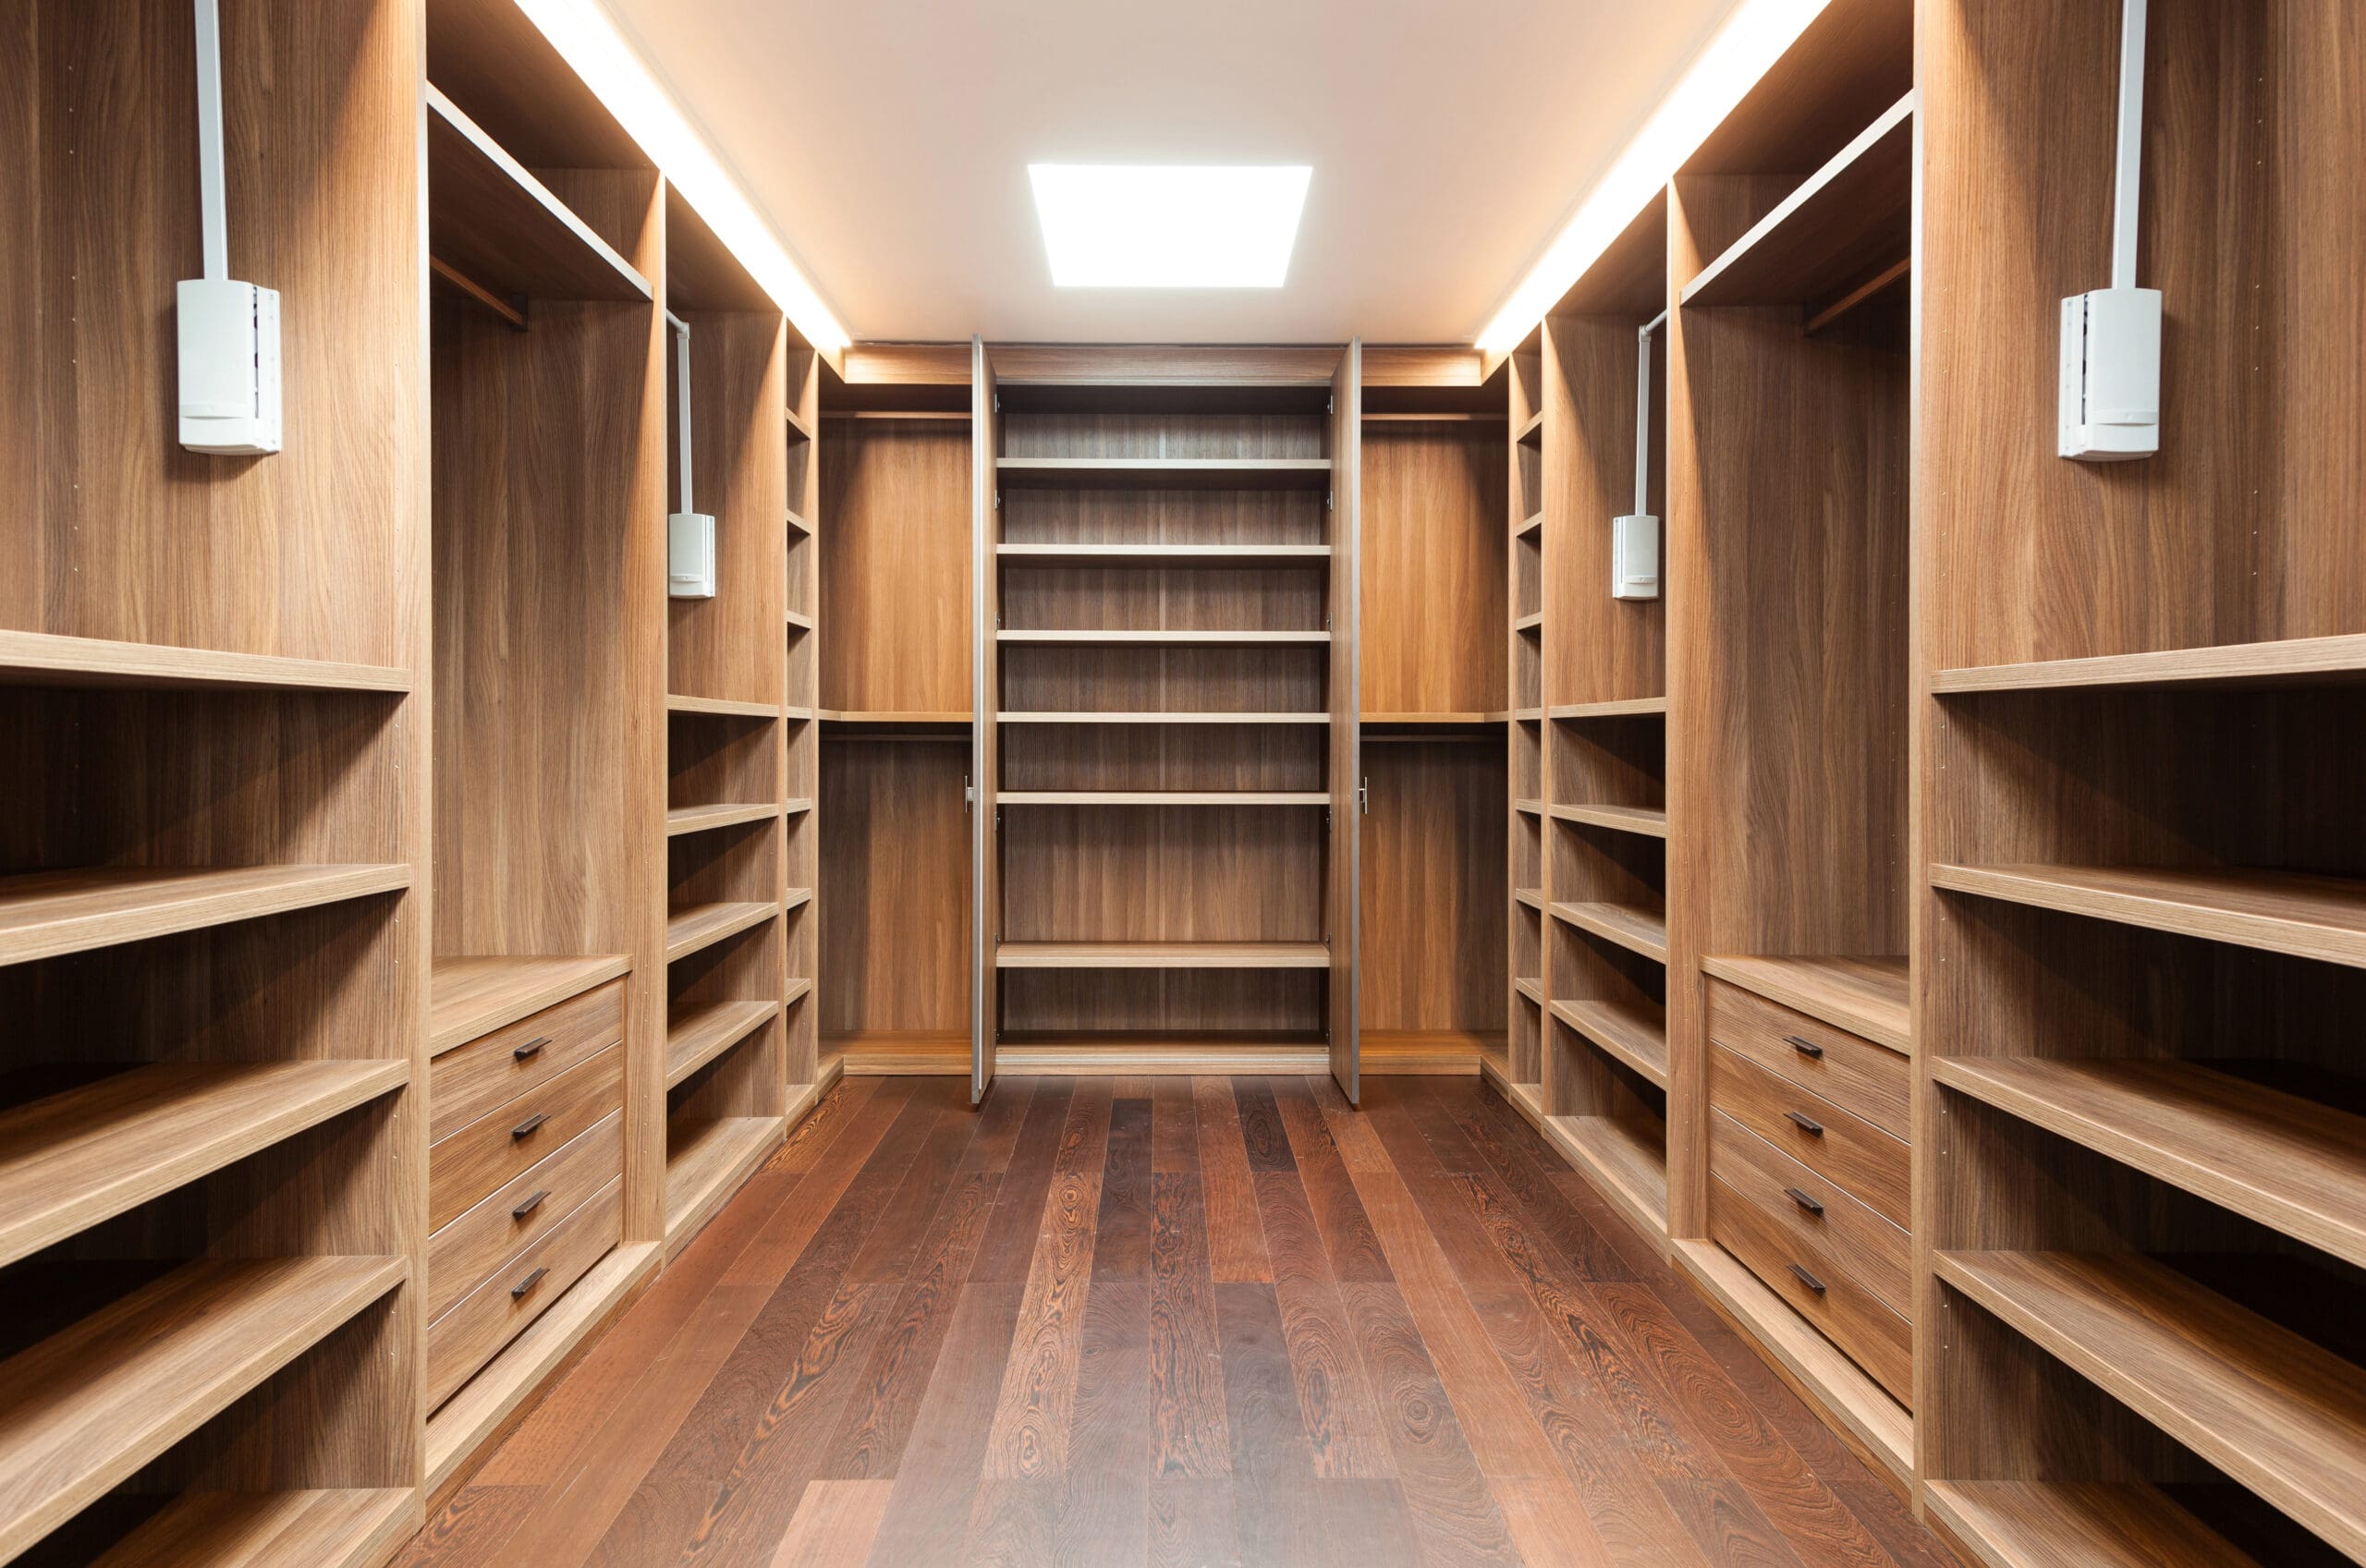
1751	39
597	51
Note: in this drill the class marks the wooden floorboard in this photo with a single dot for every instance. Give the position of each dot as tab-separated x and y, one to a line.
1170	1321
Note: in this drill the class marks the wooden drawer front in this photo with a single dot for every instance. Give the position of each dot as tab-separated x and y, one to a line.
495	1313
1844	1310
465	1253
473	1081
466	1168
1867	1080
1865	1160
1830	1232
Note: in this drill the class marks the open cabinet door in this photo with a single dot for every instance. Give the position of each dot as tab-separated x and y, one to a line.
985	695
1345	895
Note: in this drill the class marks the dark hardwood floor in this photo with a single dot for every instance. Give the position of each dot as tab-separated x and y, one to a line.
1170	1321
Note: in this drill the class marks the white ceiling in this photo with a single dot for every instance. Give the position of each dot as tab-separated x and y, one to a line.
889	139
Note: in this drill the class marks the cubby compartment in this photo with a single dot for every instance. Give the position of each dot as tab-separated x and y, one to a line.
1611	769
722	770
895	563
1614	1118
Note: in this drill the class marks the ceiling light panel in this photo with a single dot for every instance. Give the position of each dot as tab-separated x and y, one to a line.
1114	225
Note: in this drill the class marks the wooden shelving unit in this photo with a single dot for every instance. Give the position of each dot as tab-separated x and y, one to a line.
48	913
1143	531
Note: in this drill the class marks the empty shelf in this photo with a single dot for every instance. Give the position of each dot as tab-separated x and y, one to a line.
796	807
1631	927
281	1529
703	819
797	429
37	659
797	620
1627	708
85	1409
1529	807
706	1162
797	898
2250	666
1161	955
1530	989
1531	896
704	925
1482	716
883	716
501	228
1866	996
1532	430
1227	555
1847	222
2322	917
2272	1157
1165	638
1161	797
798	524
1148	718
1635	1032
797	991
2273	1411
2043	1524
468	998
1625	818
1163	473
48	913
699	1035
1628	1163
1528	525
1527	715
721	707
72	1160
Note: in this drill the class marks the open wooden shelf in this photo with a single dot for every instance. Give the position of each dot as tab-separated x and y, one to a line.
703	925
1529	807
1634	1032
1479	716
1530	989
72	1160
2248	666
1163	473
720	707
1527	715
946	716
1532	430
2273	1411
87	1407
705	1162
1624	818
1161	797
1867	996
38	659
1626	708
1528	525
1224	555
706	819
797	990
1161	955
798	620
322	1528
44	914
1532	897
1168	638
2045	1523
1630	925
468	998
797	429
796	523
1148	718
699	1035
1847	222
1531	621
502	229
2269	1156
1627	1165
2320	918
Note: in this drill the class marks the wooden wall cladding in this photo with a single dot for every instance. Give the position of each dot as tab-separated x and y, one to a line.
1598	648
1433	566
733	645
894	902
1433	951
895	541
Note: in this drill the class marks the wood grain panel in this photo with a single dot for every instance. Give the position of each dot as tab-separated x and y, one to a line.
1433	850
895	572
895	900
1432	568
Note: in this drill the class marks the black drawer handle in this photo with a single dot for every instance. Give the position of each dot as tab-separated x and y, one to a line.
530	1281
536	1202
1805	1278
1804	1047
525	1127
1807	1125
1794	1194
530	1049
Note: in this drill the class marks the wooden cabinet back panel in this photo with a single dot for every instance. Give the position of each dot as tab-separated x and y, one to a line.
488	1152
473	1081
461	1255
1865	1079
1850	1150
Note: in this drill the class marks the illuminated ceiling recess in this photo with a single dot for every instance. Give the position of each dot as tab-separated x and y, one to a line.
1752	39
1120	225
588	39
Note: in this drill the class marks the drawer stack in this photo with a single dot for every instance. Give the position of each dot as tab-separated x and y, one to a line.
1809	1164
525	1168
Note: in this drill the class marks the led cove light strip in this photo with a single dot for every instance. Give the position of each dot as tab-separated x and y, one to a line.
593	46
1753	38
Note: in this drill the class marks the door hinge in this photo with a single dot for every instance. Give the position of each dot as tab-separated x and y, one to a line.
968	794
1327	499
997	499
1363	795
997	402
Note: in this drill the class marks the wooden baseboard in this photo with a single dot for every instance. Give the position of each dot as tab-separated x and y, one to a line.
1428	1053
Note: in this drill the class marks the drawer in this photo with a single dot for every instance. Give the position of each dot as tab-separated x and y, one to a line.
1864	1079
466	1168
478	1078
463	1254
1867	1162
489	1317
1846	1312
1830	1232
